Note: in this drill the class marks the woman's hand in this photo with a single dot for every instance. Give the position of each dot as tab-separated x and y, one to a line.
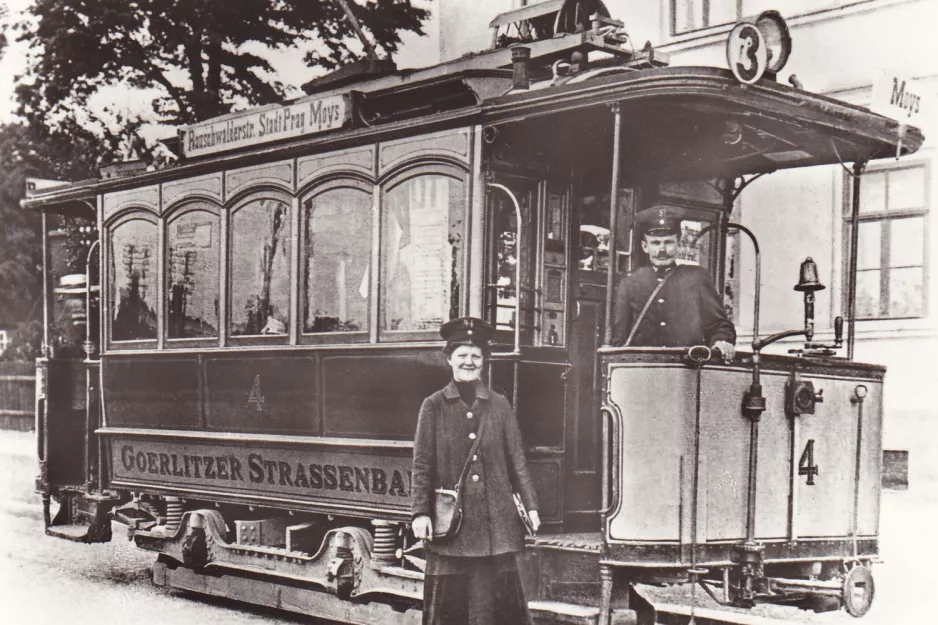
423	528
535	519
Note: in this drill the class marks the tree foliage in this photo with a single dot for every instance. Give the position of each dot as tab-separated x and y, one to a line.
202	55
68	154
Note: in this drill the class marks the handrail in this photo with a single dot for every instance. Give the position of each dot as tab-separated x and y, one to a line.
88	344
613	222
518	247
610	462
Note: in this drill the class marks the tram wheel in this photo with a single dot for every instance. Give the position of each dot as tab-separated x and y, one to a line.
859	590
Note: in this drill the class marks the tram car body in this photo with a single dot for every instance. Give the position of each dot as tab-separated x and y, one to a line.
264	331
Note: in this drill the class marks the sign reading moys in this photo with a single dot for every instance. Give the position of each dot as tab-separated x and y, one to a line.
899	97
262	126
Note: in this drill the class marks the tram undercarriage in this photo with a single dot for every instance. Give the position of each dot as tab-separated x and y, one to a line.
353	574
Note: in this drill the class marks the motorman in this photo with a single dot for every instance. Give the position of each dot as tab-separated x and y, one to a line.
669	305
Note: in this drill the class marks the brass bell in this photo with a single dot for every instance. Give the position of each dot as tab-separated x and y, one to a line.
808	281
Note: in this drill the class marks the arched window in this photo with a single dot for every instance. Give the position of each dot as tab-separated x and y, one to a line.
337	258
192	273
132	246
421	253
260	267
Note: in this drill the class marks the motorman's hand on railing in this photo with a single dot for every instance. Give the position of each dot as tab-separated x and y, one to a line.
423	528
726	349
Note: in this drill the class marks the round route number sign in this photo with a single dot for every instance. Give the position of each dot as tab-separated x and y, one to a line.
746	53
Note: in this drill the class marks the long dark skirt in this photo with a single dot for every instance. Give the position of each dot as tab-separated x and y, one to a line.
474	591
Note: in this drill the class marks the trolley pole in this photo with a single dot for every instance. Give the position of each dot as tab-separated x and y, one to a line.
613	220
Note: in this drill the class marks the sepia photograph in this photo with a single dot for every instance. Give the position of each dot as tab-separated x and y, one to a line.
452	312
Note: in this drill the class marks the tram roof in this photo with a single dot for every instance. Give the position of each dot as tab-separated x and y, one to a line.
718	126
685	118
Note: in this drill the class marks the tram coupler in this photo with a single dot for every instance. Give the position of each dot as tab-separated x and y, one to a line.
137	515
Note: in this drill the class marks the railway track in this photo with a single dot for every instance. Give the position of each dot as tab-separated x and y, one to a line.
669	614
665	614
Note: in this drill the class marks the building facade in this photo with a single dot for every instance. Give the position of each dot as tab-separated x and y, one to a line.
839	47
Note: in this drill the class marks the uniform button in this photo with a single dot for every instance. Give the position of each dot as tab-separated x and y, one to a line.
468	415
660	301
475	457
664	323
475	478
660	279
472	436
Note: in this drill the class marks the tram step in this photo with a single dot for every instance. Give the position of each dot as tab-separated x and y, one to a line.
77	532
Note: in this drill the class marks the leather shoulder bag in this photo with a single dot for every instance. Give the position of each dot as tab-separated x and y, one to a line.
446	513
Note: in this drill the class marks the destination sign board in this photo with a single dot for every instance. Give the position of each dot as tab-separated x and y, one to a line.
256	127
345	475
898	97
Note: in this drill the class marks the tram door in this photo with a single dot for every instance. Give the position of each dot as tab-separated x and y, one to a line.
528	260
584	482
589	276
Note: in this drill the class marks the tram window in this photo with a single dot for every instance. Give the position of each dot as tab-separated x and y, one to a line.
505	255
192	275
594	231
692	248
260	268
421	253
338	256
132	298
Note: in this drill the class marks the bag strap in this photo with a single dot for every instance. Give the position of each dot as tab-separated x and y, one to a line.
641	315
472	452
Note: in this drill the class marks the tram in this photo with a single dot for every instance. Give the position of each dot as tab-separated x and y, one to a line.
261	331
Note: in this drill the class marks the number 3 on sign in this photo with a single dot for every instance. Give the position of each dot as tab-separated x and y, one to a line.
746	53
806	464
255	396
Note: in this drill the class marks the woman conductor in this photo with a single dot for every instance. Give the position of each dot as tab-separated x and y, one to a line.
471	578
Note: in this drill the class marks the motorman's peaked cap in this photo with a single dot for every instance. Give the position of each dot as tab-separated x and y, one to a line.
467	330
659	221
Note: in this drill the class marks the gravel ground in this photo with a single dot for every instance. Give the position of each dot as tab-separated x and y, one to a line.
45	580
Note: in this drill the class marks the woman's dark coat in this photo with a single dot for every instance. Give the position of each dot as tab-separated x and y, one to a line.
491	524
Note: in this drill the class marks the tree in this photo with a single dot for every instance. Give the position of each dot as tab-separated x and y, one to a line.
3	27
202	55
68	154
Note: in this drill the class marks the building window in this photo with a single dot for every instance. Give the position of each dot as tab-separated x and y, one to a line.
691	15
260	268
891	243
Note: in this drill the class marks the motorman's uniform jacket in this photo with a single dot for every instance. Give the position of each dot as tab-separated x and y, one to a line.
686	311
446	429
